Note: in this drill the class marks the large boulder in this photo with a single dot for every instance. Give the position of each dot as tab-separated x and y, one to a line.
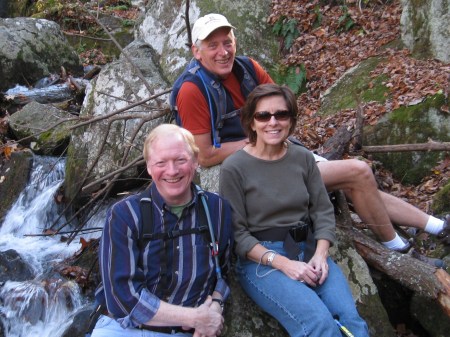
109	143
409	125
32	49
424	27
164	28
415	123
32	123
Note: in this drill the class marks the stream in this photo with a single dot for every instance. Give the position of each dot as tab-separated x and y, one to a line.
44	305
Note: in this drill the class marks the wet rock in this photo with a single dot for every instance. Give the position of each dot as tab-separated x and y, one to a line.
14	176
13	267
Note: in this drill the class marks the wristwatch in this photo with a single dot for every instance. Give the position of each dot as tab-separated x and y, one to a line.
219	301
270	258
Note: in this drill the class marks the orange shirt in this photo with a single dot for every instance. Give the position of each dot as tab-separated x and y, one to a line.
193	107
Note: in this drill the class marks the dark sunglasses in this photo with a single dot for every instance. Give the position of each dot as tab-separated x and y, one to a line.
265	116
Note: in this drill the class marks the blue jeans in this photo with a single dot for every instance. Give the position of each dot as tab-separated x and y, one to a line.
302	310
108	327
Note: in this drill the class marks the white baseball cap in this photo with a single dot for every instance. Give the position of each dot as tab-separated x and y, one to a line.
205	25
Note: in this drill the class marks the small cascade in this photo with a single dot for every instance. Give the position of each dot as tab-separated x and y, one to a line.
43	306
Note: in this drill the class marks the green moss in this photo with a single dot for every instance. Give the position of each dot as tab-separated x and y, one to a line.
410	125
354	87
441	201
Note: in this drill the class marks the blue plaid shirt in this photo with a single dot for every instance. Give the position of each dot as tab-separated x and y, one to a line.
134	281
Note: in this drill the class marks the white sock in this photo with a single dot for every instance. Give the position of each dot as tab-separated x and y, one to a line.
434	225
396	243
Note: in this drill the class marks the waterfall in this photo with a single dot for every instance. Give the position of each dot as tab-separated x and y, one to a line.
43	306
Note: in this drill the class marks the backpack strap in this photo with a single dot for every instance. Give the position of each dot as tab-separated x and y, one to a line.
146	207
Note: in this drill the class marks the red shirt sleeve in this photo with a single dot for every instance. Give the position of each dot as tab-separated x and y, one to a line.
193	109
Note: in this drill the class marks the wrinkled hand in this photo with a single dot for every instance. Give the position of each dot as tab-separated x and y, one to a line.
208	322
320	267
300	271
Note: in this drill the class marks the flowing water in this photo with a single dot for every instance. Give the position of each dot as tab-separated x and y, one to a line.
43	306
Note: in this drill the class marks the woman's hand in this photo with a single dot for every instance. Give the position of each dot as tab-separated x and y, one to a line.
298	270
319	261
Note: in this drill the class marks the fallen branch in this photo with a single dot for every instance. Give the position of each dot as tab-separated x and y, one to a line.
430	146
136	162
420	277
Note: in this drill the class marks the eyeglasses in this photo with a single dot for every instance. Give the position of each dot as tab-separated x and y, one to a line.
265	116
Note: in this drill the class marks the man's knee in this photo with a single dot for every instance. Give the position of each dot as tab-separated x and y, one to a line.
360	170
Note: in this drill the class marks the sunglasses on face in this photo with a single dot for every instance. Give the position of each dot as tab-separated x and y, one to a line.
265	116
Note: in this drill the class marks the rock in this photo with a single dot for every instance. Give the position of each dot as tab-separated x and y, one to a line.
34	118
32	49
13	267
116	87
163	28
424	28
13	179
80	323
441	201
13	8
405	125
409	125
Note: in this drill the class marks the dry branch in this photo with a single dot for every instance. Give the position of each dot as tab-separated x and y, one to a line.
416	275
430	146
90	120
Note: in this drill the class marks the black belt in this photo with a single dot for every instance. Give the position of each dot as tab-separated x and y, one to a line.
171	330
272	234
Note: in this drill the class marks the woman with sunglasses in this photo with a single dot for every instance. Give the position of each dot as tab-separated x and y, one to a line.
284	223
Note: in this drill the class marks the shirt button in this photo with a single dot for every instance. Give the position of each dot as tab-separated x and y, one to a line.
178	247
176	272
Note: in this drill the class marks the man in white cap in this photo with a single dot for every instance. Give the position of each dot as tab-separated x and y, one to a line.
206	100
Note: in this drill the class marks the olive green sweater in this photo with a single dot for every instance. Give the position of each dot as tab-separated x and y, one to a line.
264	194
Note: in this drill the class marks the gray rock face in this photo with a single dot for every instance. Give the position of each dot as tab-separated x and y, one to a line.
164	28
34	118
116	87
425	28
32	49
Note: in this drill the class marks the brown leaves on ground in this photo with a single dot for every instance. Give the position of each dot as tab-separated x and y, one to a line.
328	50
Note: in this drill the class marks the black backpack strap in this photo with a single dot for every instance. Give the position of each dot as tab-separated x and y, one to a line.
146	207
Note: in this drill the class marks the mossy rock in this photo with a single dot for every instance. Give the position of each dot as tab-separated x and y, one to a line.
410	125
441	200
32	123
353	87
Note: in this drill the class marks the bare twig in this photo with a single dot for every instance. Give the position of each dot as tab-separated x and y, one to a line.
136	162
92	120
87	36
